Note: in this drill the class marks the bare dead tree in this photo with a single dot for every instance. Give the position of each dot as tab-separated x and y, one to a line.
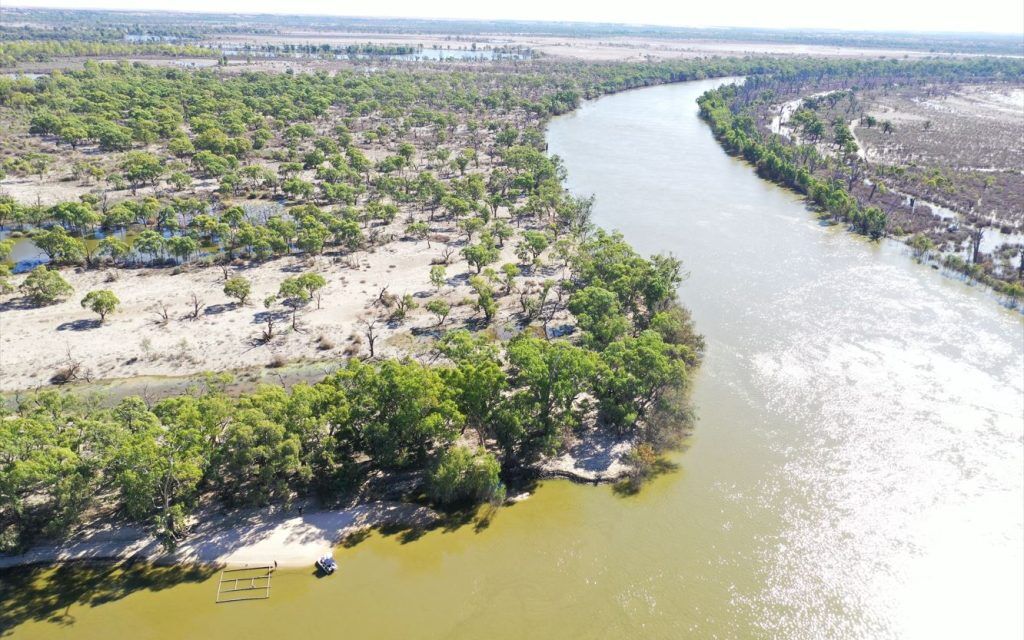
295	316
976	237
446	255
197	308
384	298
268	333
370	331
71	371
163	314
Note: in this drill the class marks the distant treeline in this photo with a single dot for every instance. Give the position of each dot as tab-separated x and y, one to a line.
109	34
12	53
1007	44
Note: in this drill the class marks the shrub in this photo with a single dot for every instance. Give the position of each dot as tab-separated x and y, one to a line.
43	287
101	302
462	476
238	288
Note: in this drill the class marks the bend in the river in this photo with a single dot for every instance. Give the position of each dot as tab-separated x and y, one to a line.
855	472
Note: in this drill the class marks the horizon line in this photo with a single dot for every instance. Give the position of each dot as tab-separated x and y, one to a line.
535	21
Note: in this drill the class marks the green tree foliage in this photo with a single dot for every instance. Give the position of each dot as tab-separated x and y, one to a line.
642	287
139	167
480	255
485	302
401	410
75	216
439	308
5	271
438	276
598	313
676	327
634	376
784	165
462	476
182	247
151	243
46	477
260	456
114	247
59	246
238	288
548	378
44	287
101	302
523	399
531	246
478	378
313	284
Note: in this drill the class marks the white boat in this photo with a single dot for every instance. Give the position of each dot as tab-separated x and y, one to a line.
327	564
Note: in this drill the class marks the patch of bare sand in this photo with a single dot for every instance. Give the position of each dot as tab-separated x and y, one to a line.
596	457
46	192
264	536
37	342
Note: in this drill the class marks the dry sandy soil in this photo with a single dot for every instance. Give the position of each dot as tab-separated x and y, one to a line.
251	537
594	457
958	148
36	342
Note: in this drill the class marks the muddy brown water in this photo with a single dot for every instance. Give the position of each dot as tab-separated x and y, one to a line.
856	470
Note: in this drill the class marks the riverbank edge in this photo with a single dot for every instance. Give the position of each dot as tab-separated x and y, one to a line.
1011	297
288	537
267	536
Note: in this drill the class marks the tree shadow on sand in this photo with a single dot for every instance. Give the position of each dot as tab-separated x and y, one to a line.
46	594
16	304
84	324
217	309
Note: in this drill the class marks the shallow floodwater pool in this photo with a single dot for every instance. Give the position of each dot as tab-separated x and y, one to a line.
856	470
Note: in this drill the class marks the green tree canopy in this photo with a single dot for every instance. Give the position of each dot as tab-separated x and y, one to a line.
101	302
43	286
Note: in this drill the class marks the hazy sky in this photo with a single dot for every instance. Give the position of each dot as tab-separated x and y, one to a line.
1002	16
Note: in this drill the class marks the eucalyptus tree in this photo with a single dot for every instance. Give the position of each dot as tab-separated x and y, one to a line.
44	287
102	302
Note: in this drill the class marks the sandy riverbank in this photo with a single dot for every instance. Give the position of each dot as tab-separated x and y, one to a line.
595	458
263	536
294	539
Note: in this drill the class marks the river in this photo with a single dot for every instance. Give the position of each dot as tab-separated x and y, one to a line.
856	470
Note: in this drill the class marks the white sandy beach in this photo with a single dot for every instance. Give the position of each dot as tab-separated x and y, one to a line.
253	537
